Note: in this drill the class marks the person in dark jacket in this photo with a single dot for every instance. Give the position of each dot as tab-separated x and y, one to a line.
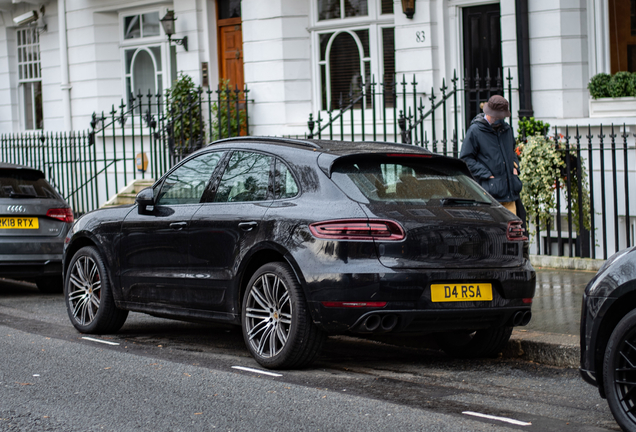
489	152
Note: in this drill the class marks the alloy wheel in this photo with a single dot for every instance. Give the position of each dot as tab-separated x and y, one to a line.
268	315
625	375
85	290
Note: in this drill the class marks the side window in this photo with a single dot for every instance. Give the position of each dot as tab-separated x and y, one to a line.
187	183
286	186
246	178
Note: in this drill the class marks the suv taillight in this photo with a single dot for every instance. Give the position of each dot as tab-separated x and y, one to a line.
358	229
63	214
515	231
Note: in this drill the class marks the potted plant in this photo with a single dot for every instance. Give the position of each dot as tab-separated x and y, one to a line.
543	161
613	96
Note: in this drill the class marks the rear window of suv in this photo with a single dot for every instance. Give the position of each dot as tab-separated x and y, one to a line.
24	183
405	180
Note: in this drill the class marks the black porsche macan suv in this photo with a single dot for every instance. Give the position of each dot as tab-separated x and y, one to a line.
296	239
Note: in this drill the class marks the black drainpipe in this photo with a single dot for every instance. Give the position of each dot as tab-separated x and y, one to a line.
523	59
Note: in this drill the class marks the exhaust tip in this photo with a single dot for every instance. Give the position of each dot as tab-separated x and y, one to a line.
372	323
517	319
389	322
527	316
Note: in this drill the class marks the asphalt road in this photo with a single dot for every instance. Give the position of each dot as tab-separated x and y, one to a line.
174	376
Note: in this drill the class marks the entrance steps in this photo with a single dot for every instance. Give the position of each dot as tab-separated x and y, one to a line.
127	195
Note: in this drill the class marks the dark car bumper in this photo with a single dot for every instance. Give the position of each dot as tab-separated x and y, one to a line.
31	257
30	266
408	300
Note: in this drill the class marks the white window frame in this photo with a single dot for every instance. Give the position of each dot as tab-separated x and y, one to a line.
373	22
144	44
35	78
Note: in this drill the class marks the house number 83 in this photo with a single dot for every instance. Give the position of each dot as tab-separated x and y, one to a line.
419	36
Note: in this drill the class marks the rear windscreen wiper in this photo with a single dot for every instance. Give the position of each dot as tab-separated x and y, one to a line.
462	201
20	195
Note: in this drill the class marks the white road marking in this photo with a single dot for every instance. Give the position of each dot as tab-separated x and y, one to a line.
503	419
258	371
99	340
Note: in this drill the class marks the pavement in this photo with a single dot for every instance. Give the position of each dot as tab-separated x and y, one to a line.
552	337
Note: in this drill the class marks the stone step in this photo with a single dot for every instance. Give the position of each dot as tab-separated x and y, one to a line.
127	194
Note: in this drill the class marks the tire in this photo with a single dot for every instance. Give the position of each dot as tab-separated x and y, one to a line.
50	285
480	343
88	294
619	372
277	327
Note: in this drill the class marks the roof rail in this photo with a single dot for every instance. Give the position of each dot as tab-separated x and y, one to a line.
270	139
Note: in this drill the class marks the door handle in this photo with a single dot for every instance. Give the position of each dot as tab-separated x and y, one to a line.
178	225
248	226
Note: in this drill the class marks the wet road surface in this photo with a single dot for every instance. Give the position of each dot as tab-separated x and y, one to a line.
168	375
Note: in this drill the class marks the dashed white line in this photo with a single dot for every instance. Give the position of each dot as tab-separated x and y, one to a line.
258	371
99	340
502	419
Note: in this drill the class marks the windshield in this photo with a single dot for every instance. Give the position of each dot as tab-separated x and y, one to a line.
407	180
24	183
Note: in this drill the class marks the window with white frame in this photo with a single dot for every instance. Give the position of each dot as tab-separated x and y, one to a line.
30	78
143	54
355	47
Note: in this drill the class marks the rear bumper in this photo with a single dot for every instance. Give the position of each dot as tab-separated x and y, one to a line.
30	266
408	300
419	321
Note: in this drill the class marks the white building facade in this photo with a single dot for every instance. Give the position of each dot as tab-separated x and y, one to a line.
296	56
63	60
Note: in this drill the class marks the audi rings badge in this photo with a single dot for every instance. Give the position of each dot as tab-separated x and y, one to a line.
16	209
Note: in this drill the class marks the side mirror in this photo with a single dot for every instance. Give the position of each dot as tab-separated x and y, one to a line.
145	198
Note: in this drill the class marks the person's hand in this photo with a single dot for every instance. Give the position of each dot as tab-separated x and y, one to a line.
514	171
491	177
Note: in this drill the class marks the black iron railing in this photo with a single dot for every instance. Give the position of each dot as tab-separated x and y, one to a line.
603	152
141	139
147	137
398	113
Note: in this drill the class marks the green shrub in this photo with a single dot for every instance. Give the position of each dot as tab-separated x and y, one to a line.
599	86
621	85
529	126
226	108
631	87
184	112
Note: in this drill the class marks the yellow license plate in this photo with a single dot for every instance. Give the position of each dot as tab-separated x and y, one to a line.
452	292
19	223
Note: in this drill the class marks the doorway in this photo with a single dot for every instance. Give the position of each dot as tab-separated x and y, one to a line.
482	55
230	42
622	23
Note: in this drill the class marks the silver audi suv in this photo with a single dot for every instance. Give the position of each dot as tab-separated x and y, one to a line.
34	220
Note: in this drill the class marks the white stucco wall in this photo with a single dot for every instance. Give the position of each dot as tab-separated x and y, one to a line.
8	81
414	58
276	47
558	53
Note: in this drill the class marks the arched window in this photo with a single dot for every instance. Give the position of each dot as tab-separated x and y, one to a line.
345	66
144	51
143	71
354	46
